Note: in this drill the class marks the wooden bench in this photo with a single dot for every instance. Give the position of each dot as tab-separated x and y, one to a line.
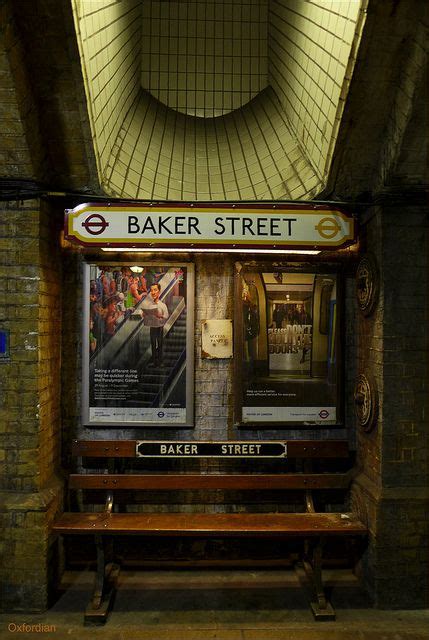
311	527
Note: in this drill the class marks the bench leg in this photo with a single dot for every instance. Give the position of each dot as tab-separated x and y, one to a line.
320	606
104	585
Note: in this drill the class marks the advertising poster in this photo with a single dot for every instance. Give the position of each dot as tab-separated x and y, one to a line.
287	348
138	345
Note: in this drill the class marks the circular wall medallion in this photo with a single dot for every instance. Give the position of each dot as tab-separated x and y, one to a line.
367	284
366	401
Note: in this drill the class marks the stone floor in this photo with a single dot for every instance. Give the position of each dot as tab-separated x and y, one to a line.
217	605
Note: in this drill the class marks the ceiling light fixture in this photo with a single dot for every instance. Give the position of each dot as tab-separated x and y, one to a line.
306	252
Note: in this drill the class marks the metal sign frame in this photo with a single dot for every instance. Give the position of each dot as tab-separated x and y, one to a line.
213	449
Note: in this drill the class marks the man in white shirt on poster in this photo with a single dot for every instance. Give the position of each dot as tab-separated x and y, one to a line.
155	314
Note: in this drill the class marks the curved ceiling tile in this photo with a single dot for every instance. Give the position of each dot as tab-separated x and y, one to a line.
249	94
247	154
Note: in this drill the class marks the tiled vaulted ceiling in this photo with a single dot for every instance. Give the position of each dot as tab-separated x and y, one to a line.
204	100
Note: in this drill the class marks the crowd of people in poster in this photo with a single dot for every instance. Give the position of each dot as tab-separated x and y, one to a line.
114	294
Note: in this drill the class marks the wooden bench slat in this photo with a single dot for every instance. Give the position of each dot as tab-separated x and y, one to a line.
104	448
202	524
127	448
210	481
317	449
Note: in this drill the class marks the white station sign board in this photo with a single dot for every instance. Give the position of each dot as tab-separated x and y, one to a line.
211	225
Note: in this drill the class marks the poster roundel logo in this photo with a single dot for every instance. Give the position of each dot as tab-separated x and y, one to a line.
323	414
95	224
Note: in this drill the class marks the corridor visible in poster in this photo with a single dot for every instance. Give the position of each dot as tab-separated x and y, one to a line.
289	347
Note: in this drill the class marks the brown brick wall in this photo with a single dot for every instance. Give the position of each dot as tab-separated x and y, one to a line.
370	354
30	401
55	80
44	130
49	319
380	141
22	151
20	282
406	403
392	491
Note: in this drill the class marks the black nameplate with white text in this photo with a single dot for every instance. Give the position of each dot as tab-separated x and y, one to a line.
238	449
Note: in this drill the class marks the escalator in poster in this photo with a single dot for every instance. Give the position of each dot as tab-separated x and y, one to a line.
137	372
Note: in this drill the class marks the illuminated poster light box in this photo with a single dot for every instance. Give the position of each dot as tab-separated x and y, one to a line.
287	351
138	344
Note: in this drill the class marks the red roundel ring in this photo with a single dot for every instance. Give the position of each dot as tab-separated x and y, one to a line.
95	224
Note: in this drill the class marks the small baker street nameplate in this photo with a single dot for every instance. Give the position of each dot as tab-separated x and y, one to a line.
238	449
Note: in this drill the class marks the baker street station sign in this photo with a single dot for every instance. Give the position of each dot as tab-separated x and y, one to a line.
222	449
210	225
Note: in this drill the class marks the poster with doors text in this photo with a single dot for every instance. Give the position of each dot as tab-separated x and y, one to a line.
287	347
138	345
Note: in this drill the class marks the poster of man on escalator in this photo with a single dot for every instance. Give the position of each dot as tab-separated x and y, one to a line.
138	344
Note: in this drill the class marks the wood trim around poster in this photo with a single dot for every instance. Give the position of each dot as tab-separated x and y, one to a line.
238	346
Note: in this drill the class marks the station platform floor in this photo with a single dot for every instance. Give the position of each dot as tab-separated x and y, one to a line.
217	604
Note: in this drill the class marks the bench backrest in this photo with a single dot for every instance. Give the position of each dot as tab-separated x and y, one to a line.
306	450
128	448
